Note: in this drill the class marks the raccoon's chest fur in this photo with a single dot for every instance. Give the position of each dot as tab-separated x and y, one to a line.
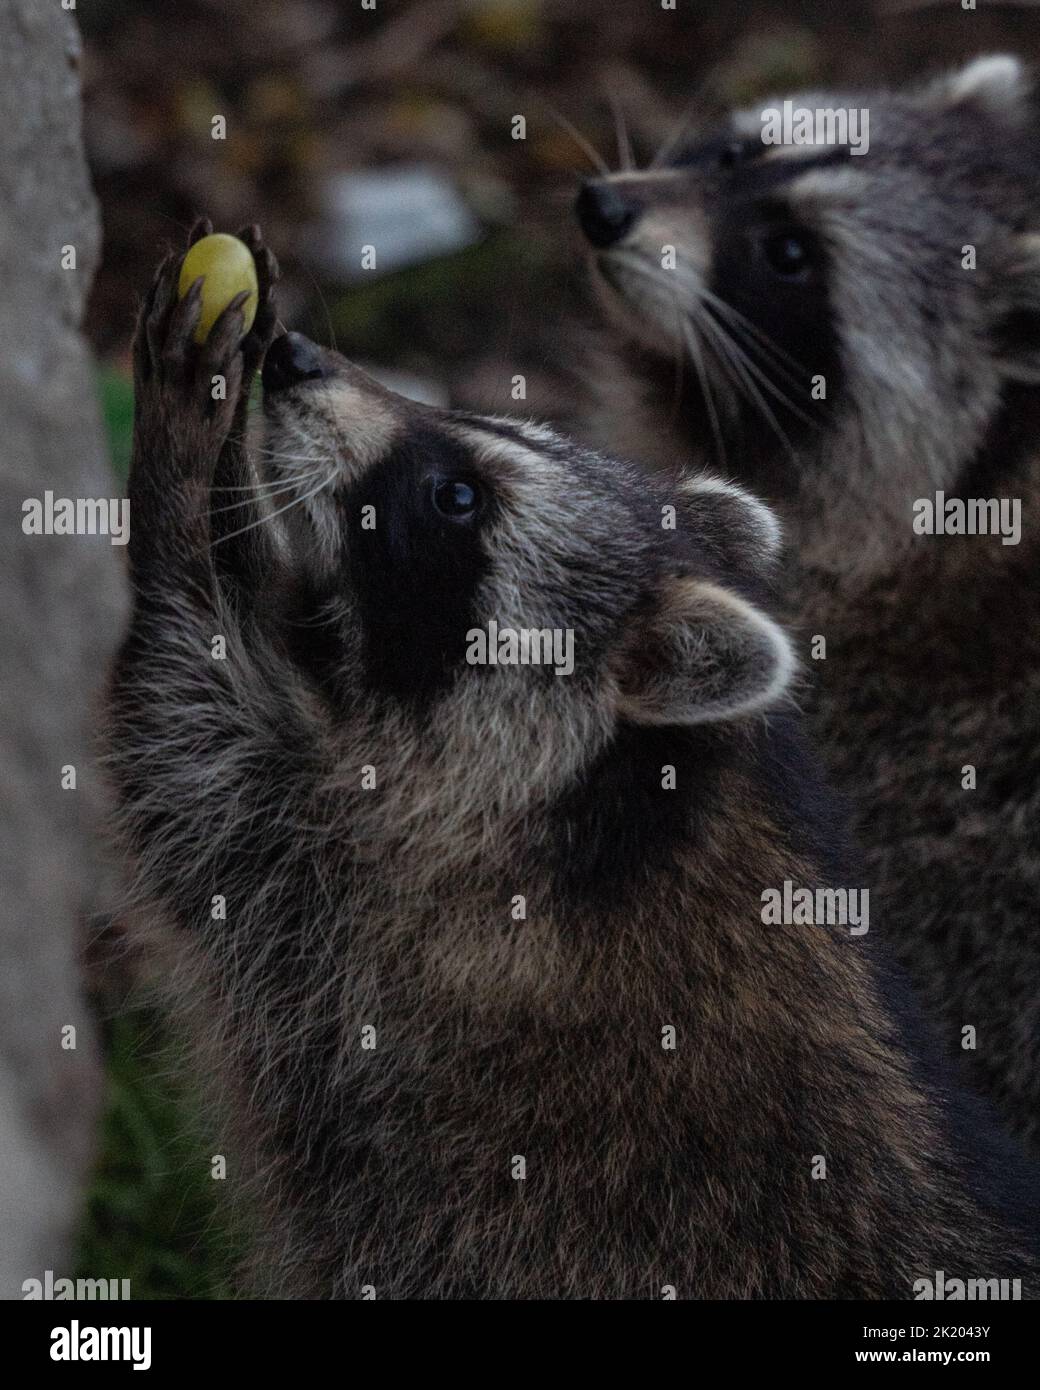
927	707
520	1159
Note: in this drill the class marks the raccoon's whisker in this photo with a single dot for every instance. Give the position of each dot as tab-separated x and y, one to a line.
280	454
680	127
694	290
624	144
324	304
308	439
303	435
679	363
723	356
681	339
709	400
270	485
278	512
280	490
267	483
758	357
723	353
727	349
304	438
773	375
734	335
763	377
728	354
579	139
742	363
319	452
290	463
649	272
737	318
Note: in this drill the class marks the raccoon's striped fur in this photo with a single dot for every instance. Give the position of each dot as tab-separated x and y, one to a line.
851	335
434	922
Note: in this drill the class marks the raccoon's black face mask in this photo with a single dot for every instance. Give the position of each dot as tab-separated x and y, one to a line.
785	288
490	592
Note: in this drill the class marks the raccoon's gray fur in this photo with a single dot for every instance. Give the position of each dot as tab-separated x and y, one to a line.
463	910
855	268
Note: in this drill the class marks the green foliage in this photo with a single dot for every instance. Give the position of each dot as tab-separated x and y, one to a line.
430	307
116	391
154	1215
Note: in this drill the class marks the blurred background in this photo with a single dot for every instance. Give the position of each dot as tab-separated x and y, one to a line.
394	125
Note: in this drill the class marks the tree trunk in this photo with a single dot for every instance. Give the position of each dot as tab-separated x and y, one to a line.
61	598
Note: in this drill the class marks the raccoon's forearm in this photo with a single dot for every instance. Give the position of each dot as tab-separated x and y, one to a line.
240	540
206	741
185	535
205	744
168	549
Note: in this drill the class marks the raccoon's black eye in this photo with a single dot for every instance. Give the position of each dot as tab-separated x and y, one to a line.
456	499
791	255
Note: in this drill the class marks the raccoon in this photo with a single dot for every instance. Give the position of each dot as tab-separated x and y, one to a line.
477	948
856	336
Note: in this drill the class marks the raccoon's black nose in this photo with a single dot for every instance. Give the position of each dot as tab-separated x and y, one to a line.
604	212
292	358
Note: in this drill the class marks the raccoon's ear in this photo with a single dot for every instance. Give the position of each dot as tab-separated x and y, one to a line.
699	653
1017	328
731	524
998	83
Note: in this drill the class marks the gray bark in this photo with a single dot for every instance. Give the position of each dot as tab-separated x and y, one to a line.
60	598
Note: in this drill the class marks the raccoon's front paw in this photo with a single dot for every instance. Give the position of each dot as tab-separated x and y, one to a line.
185	391
261	335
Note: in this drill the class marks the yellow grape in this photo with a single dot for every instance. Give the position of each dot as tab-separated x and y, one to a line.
227	265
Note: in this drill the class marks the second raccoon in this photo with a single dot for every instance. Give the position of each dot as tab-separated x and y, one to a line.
858	339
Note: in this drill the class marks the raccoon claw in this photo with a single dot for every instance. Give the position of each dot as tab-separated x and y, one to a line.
154	310
225	337
202	227
181	323
172	372
260	336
